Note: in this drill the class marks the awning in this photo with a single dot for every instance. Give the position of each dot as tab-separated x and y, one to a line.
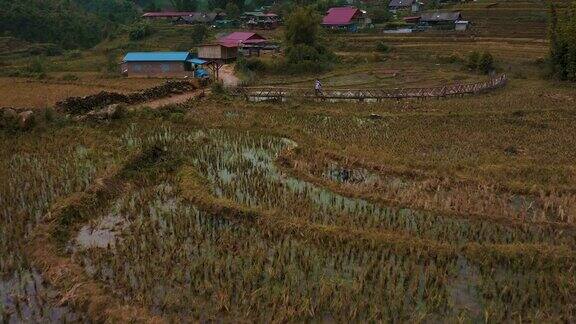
196	61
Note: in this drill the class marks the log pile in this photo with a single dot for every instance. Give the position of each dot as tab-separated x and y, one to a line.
82	105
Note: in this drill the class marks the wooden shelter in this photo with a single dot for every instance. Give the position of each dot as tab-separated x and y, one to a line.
216	51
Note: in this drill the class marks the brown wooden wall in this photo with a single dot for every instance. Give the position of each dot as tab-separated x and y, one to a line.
217	52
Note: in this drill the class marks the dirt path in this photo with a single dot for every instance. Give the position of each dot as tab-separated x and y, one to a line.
176	99
228	77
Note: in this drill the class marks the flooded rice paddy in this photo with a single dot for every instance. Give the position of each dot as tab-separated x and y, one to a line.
35	181
151	246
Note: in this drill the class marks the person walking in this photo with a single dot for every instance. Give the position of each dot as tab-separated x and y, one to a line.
318	88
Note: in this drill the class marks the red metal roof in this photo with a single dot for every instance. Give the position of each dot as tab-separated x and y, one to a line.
237	38
168	14
340	16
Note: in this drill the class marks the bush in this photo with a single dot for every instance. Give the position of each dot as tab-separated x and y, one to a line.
140	31
382	47
36	65
45	49
376	57
486	63
473	60
69	77
199	34
111	63
250	64
381	15
218	88
74	54
452	58
483	63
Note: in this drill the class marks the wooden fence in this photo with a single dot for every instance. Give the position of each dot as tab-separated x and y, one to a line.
281	94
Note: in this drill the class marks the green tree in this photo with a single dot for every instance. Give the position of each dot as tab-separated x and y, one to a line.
302	27
562	35
184	5
152	7
486	63
199	33
68	23
232	10
305	48
380	15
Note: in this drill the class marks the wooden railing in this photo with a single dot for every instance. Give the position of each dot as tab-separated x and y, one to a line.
279	93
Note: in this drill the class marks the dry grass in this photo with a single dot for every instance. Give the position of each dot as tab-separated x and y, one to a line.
18	92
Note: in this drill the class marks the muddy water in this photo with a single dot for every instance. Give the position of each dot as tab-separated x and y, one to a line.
25	297
163	229
242	168
32	183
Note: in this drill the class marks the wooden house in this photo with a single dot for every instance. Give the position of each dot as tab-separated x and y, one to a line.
346	18
227	48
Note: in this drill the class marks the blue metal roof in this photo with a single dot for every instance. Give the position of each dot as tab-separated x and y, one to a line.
156	57
196	61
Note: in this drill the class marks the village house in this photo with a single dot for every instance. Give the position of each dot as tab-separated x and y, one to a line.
162	64
260	20
442	20
206	18
404	5
228	47
346	18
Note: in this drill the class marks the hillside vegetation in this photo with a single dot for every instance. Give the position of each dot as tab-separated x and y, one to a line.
70	24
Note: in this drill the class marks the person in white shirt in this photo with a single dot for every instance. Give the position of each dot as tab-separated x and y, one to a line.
318	87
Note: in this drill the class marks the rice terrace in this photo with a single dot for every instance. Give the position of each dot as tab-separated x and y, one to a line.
222	161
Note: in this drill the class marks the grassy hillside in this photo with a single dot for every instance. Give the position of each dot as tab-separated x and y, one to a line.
511	18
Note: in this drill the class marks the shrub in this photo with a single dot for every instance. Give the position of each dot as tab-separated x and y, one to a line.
69	77
45	49
452	58
140	31
250	64
218	88
486	63
74	54
473	60
381	15
382	47
483	63
199	34
376	57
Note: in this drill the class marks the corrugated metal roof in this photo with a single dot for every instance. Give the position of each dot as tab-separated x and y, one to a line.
156	57
400	3
236	38
340	16
168	14
201	17
440	16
